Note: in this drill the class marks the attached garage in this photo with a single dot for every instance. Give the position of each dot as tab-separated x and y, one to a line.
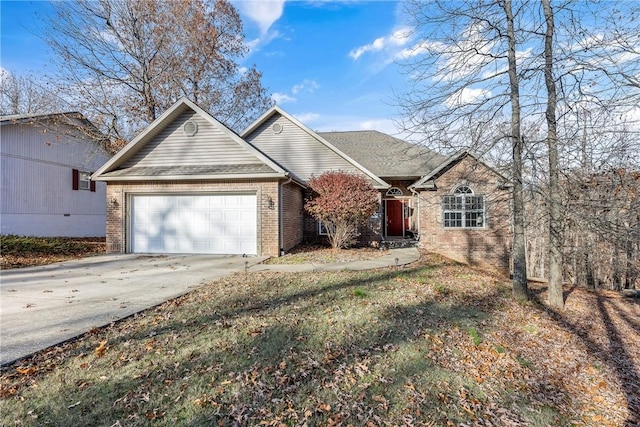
193	223
189	185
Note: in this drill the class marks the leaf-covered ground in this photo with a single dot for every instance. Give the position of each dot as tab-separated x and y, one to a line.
318	254
435	343
21	251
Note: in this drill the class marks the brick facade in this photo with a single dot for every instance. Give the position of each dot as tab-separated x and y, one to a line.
266	191
292	215
488	246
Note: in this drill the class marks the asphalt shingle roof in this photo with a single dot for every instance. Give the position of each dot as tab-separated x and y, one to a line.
383	154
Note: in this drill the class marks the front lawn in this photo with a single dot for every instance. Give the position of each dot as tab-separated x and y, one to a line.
435	343
21	251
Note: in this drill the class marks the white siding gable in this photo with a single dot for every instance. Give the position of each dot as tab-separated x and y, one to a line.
173	147
297	150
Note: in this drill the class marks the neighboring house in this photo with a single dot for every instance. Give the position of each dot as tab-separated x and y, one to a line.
46	166
189	184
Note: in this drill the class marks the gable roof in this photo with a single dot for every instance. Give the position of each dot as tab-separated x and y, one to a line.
427	180
385	155
377	181
31	118
70	118
133	161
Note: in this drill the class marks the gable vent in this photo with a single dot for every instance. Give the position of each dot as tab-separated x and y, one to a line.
190	128
277	128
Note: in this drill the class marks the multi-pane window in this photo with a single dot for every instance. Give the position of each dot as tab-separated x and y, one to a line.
463	209
85	181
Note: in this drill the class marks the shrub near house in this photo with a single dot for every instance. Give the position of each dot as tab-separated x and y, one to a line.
341	201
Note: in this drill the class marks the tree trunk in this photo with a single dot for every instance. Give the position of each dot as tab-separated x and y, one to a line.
555	296
519	244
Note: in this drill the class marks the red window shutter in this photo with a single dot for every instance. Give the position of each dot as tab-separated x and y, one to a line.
92	185
76	179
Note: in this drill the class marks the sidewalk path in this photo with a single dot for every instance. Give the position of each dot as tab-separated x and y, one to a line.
395	257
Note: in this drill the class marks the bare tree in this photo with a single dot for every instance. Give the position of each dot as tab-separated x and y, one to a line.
475	61
555	293
26	94
125	61
519	243
465	73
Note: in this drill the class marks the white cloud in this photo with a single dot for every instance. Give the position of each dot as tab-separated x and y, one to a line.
307	85
381	125
466	96
307	117
419	48
468	56
281	98
390	43
264	12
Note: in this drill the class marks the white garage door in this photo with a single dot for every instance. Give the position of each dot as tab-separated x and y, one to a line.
202	224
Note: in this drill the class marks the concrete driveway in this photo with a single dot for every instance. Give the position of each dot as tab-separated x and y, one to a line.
43	306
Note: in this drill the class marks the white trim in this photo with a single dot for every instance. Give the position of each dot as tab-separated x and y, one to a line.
86	181
322	230
463	211
190	177
395	190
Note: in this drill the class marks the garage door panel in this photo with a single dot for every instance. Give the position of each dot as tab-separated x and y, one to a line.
216	224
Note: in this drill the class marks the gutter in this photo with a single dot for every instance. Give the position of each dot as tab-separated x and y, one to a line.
185	177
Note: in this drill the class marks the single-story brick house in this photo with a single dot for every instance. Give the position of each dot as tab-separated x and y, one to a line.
188	184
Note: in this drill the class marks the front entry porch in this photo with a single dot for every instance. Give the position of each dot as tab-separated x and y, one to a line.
398	215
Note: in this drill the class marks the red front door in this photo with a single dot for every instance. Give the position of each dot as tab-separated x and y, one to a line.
395	218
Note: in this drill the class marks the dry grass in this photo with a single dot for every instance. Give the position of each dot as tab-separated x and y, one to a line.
20	251
435	343
319	254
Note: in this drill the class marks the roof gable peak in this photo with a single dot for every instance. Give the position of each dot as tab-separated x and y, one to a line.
172	114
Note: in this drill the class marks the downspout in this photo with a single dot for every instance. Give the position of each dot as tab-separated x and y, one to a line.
417	195
280	215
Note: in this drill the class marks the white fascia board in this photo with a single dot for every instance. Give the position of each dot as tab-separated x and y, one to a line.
192	177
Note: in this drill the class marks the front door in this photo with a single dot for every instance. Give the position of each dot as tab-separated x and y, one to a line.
395	217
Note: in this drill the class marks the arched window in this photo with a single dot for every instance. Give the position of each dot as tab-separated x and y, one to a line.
463	189
463	209
394	191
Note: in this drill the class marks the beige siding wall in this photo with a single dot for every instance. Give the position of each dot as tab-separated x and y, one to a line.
172	146
489	246
292	216
296	150
117	207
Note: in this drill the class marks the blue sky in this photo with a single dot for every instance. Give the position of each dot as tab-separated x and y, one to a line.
328	63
